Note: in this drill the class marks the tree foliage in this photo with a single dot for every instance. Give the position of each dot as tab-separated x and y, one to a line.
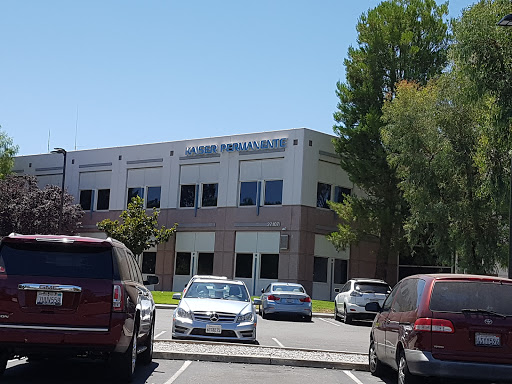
7	152
27	209
137	230
397	40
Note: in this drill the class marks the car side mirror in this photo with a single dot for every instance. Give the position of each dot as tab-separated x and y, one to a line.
151	280
176	296
256	301
373	307
337	290
262	290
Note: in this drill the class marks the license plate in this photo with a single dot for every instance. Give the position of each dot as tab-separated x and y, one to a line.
217	329
289	301
487	339
49	298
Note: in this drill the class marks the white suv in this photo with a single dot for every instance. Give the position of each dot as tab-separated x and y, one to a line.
356	293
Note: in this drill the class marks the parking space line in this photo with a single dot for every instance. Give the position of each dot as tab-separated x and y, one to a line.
160	334
330	322
179	372
278	342
351	375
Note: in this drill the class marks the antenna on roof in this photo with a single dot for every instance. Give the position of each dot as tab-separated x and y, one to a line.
48	139
76	125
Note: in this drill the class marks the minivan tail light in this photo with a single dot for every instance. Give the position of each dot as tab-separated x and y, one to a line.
306	300
427	324
275	298
118	298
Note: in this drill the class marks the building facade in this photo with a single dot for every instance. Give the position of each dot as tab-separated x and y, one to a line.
251	206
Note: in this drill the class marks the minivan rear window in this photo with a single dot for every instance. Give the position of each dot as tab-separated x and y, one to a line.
454	296
372	288
55	259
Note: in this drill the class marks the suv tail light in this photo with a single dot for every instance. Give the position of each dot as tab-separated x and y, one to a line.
306	300
118	297
356	294
275	298
427	324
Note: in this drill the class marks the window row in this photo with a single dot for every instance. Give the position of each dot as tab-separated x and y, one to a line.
325	191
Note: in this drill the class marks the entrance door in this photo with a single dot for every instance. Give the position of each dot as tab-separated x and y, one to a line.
328	273
189	264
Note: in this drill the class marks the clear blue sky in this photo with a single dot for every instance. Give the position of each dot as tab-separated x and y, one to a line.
152	71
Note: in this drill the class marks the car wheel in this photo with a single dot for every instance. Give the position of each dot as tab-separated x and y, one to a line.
374	362
336	314
347	319
404	375
126	361
3	362
146	357
263	314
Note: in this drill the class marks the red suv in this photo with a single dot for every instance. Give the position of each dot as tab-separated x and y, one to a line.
444	325
74	296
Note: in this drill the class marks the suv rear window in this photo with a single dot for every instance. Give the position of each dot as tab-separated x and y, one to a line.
454	296
371	288
55	259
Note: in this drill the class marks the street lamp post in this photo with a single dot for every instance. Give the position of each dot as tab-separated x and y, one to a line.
61	212
506	21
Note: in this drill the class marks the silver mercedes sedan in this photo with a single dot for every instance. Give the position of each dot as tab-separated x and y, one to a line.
215	309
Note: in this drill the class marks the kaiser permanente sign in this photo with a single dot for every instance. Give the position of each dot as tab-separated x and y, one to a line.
236	147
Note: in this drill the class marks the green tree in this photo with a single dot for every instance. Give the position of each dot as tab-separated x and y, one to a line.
397	40
7	152
138	231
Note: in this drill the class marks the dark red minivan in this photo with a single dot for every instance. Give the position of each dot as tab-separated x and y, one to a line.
444	325
74	296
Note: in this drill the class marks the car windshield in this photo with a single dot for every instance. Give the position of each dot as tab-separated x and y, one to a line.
471	296
372	288
287	288
217	290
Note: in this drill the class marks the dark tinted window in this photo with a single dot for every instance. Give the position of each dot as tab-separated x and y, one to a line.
320	270
188	196
243	265
274	192
248	191
340	193
56	259
371	288
205	264
134	192
182	263
124	268
323	193
454	296
86	199
389	301
340	271
209	198
137	276
153	200
148	262
407	299
103	199
269	266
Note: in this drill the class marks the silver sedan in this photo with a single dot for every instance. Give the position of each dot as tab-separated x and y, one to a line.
215	309
285	298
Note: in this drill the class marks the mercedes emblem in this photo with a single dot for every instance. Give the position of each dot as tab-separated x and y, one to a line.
214	317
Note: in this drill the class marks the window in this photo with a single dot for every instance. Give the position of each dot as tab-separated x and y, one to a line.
243	265
205	264
134	192
273	192
86	199
248	192
340	271
153	200
209	196
389	300
148	262
188	196
269	266
320	270
323	193
103	203
183	263
340	193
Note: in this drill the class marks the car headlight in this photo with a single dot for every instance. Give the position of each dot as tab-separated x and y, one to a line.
246	317
185	314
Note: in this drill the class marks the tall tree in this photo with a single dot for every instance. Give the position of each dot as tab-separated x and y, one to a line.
27	209
138	231
397	40
7	152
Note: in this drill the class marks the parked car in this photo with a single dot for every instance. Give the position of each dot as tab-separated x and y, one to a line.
73	296
218	309
195	277
444	325
285	298
351	299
